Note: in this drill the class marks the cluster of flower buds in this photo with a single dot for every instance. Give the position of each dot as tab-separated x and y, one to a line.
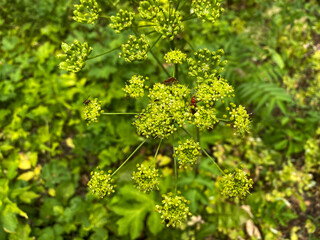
235	185
213	90
167	109
174	210
175	56
206	64
121	21
100	183
92	110
204	117
187	153
241	118
75	56
146	179
207	10
168	24
136	48
135	88
149	9
87	11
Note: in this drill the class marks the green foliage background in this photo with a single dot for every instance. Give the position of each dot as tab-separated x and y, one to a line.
47	151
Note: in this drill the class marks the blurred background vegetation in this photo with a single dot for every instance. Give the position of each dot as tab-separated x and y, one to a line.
47	152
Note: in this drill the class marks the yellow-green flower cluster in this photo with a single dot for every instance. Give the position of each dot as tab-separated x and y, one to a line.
168	24
206	64
149	9
241	119
87	12
146	179
213	90
136	48
100	184
75	56
135	88
207	10
121	21
204	117
235	185
312	154
92	111
167	109
187	153
175	56
174	210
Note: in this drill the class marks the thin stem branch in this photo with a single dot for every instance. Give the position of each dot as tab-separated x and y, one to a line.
99	55
128	157
160	64
155	156
119	113
175	175
155	42
214	162
189	18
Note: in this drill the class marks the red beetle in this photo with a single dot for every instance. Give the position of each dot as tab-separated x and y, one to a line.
193	105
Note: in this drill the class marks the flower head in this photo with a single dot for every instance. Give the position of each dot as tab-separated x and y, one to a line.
87	11
174	210
236	184
207	10
135	88
206	64
100	183
167	108
146	179
168	24
121	21
75	56
149	9
92	111
241	119
187	153
175	56
136	48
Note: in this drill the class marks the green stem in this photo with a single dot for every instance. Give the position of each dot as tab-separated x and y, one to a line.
174	70
189	18
223	119
155	156
99	55
128	158
119	113
193	49
160	64
214	162
175	176
155	42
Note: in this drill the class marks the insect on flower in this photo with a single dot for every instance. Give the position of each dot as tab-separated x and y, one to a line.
87	101
171	80
193	105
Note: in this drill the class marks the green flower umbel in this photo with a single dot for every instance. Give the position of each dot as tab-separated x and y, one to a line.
174	210
136	48
207	10
236	184
146	179
75	56
121	21
100	184
168	24
241	119
92	111
187	153
87	12
135	88
175	56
